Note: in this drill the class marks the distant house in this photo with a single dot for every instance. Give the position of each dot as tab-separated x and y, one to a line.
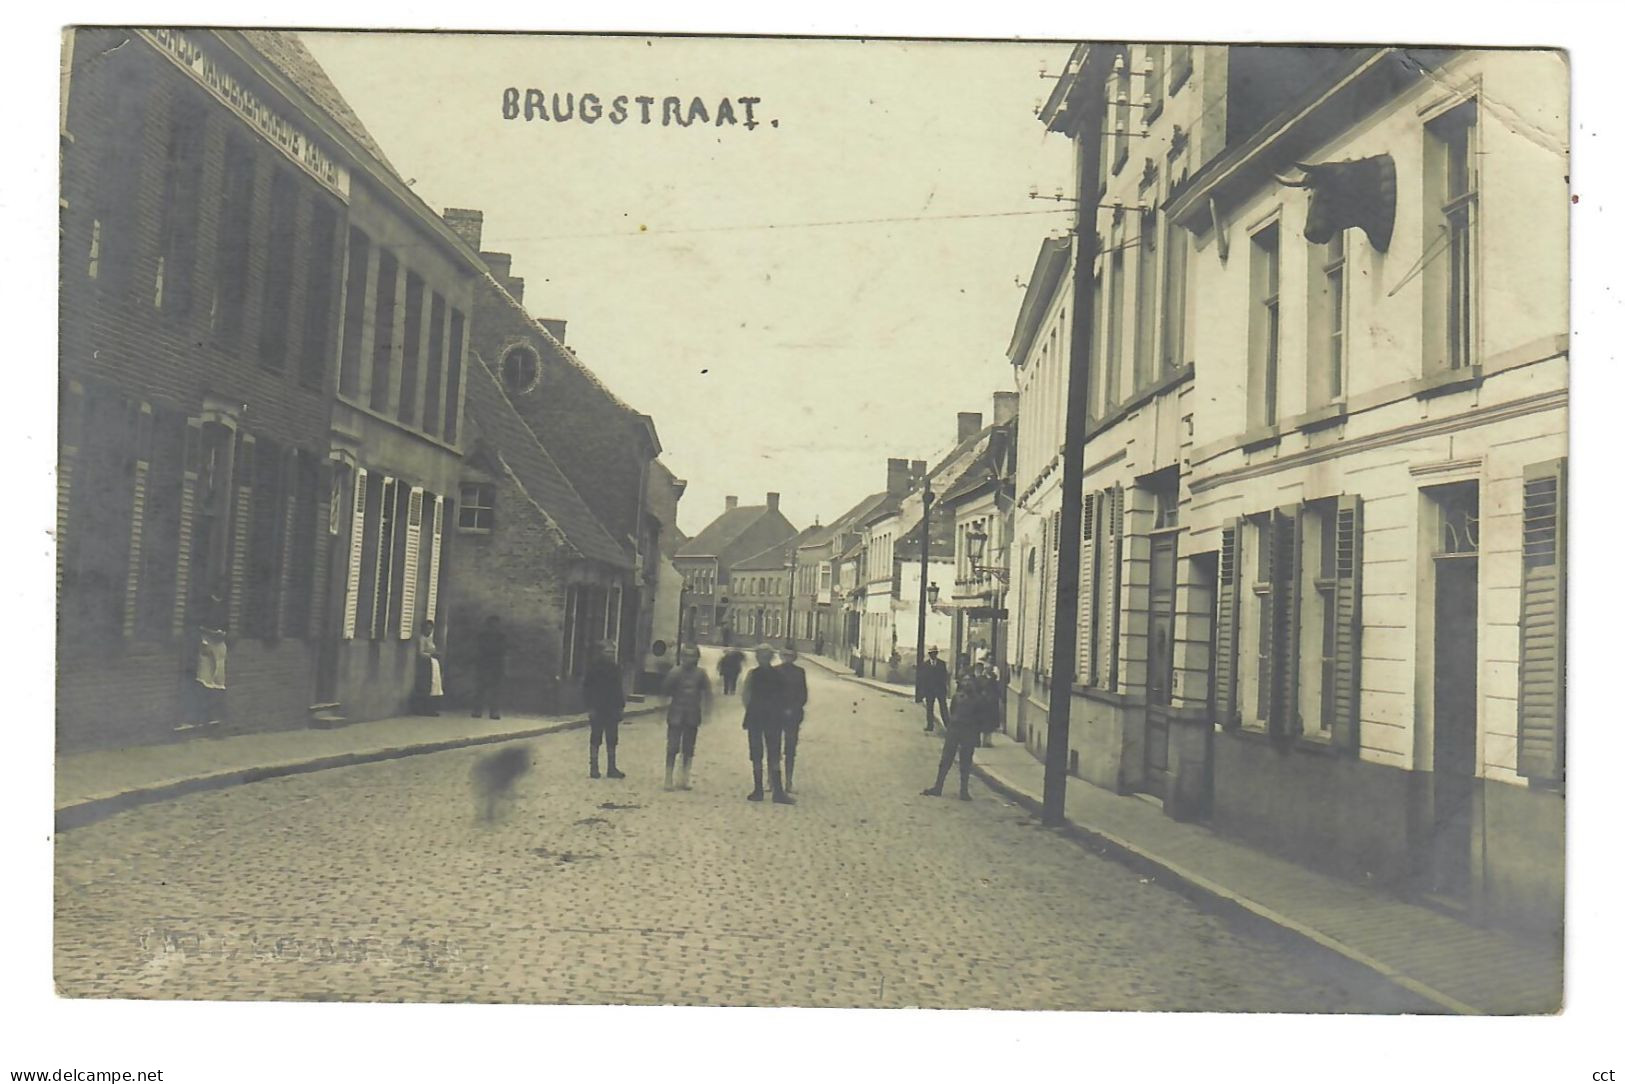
760	598
739	532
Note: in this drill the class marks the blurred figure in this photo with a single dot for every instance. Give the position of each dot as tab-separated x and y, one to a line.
733	661
494	777
490	662
933	688
426	687
763	695
606	700
795	706
690	691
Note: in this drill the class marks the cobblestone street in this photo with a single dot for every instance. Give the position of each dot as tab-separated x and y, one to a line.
377	882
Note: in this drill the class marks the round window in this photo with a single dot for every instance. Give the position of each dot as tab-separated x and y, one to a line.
520	370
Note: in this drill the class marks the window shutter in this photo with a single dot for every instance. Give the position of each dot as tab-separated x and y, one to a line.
1226	631
1541	646
1346	622
73	409
191	460
138	513
1283	716
287	491
432	607
409	564
1086	589
358	528
376	605
241	522
1111	585
1046	616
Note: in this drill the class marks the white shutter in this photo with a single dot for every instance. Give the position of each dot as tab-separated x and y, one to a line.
409	568
1111	526
358	529
1086	589
242	525
377	605
183	546
432	609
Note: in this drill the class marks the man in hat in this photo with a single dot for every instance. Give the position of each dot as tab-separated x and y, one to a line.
605	700
932	687
763	694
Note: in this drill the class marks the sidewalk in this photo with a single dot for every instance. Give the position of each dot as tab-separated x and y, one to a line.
100	782
1460	967
838	670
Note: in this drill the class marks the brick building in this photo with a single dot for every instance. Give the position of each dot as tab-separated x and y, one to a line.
530	552
226	224
603	446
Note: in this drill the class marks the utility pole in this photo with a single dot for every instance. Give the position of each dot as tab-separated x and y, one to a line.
925	555
1081	116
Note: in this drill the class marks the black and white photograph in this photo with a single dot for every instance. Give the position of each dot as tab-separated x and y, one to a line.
1072	524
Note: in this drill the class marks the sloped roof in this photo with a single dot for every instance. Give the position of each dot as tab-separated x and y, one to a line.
288	54
723	530
776	556
983	470
535	471
942	539
851	517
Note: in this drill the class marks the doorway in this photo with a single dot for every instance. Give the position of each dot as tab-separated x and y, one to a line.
1160	661
1455	692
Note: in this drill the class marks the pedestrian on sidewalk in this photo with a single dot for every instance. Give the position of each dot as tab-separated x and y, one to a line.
426	686
606	701
733	661
689	690
932	688
763	694
962	731
490	663
795	708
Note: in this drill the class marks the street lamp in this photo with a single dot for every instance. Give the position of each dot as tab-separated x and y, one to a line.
933	593
976	544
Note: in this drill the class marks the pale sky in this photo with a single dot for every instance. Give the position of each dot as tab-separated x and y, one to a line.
773	355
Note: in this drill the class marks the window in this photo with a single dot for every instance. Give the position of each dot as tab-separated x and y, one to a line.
412	350
1452	180
112	247
301	547
1173	299
320	260
383	331
520	370
1264	327
1328	319
266	538
275	314
355	300
1153	80
183	175
478	511
1114	321
1145	309
232	254
436	366
1179	67
97	553
454	376
161	527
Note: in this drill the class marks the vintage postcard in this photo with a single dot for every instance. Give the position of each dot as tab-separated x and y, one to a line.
638	520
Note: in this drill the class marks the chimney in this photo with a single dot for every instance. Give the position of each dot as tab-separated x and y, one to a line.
970	423
772	502
500	263
733	502
1005	406
554	326
516	287
916	473
897	477
466	223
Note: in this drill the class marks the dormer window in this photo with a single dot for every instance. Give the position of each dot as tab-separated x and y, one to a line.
521	370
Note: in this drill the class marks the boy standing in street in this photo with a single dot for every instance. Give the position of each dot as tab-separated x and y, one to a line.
606	700
795	707
763	694
690	691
